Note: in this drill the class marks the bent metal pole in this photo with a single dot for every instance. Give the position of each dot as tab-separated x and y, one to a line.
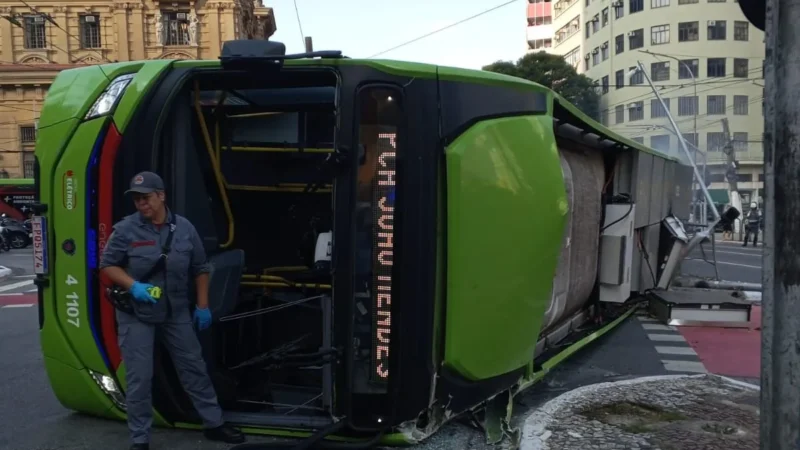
780	329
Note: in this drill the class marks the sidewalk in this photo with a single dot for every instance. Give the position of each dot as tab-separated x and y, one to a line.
696	412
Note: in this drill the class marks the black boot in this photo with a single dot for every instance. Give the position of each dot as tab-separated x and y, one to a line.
140	447
224	433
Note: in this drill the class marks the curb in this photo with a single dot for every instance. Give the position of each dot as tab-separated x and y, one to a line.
535	432
5	272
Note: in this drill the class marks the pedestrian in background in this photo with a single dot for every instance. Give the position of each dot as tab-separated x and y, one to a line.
164	248
752	224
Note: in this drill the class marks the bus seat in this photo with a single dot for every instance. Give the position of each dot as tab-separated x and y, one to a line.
223	286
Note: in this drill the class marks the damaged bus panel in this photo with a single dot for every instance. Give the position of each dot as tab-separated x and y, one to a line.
393	244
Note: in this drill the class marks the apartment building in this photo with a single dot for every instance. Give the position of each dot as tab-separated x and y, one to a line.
540	26
39	38
703	56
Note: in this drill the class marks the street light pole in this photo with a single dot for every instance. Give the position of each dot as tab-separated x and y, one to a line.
694	84
780	327
688	154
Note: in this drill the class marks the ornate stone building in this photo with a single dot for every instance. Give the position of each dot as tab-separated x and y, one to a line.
40	38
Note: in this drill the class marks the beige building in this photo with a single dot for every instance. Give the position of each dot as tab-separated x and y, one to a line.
40	38
705	59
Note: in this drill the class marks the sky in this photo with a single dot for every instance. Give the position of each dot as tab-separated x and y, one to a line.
362	28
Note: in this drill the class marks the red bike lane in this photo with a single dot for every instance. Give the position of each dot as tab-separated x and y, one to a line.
732	352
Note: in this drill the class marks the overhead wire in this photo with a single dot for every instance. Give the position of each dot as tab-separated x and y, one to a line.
299	24
439	30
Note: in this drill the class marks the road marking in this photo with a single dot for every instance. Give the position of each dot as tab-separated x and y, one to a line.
740	265
24	276
666	337
708	253
646	319
684	366
12	286
16	306
676	350
657	327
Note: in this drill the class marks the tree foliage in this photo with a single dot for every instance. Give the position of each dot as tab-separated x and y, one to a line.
553	72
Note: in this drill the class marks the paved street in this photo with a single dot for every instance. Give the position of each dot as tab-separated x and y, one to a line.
33	419
734	262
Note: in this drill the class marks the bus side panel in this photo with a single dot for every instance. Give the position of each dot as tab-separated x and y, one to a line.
70	276
507	209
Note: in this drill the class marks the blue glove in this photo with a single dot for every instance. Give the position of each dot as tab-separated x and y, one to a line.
202	318
140	293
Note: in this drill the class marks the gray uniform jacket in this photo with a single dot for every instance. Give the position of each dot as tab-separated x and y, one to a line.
136	244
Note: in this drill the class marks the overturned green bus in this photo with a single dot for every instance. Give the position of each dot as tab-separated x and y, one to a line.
393	243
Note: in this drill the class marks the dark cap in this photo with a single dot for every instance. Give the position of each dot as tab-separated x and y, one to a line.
145	183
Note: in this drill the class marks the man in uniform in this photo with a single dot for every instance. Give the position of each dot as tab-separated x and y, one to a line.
752	224
134	248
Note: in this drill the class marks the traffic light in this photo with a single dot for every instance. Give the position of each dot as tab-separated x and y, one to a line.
755	11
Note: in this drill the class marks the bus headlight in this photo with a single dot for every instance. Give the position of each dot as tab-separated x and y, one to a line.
107	102
110	388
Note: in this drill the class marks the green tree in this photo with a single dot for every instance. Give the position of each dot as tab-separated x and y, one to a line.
553	72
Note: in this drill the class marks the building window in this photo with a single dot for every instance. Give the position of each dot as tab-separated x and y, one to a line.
740	141
637	77
176	28
741	30
740	67
604	51
691	139
90	31
715	105
573	56
35	32
604	82
636	111
619	44
639	139
659	34
604	117
619	112
569	29
687	106
717	1
688	31
688	69
636	6
596	56
636	39
656	110
605	17
28	159
715	67
687	2
586	61
588	29
715	141
659	71
660	143
620	78
741	105
619	9
27	134
658	3
716	30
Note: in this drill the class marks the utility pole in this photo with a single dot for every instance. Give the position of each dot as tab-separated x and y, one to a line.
309	44
780	329
731	174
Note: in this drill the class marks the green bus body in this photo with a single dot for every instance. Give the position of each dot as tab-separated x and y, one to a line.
496	216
